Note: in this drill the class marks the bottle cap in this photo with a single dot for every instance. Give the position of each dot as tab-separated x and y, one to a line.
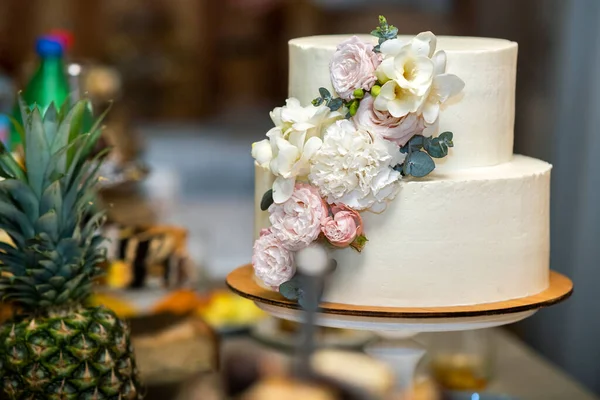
63	36
48	46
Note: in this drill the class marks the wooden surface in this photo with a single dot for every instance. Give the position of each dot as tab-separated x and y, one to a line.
242	282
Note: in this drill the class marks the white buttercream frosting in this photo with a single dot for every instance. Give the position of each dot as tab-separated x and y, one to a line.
474	231
463	237
481	117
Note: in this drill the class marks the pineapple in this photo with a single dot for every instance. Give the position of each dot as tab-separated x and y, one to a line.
55	347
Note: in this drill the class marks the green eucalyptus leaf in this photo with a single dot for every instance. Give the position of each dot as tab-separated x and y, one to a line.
335	104
418	164
266	200
317	102
325	94
291	289
416	143
438	146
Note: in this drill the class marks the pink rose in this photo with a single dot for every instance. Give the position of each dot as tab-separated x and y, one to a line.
344	227
382	123
273	264
353	67
296	223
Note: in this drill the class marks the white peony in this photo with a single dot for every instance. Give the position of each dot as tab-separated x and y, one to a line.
292	143
354	167
273	264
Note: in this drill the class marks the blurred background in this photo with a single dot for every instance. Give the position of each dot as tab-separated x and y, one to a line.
193	81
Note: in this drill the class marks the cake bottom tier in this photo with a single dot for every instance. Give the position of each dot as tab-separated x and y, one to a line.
467	237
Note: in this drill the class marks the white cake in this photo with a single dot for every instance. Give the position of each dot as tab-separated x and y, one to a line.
476	230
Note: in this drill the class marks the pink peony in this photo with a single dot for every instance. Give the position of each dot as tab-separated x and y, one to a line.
382	123
353	67
344	227
296	223
273	264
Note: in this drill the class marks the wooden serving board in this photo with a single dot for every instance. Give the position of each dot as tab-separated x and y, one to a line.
242	282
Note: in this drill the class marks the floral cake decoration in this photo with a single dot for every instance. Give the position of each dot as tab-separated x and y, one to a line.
347	152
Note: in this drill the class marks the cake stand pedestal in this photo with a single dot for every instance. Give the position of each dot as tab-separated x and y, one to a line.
395	326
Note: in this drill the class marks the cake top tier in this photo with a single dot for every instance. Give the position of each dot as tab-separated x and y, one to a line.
481	117
446	43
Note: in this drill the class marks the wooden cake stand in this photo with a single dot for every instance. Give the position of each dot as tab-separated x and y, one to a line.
396	325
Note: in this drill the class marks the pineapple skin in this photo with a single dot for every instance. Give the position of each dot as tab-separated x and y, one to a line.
85	353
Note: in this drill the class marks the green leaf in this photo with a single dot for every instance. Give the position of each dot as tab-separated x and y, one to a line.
266	200
438	146
9	167
49	295
10	213
68	130
335	104
57	282
52	200
324	93
418	164
23	196
359	243
37	151
48	223
414	144
291	289
50	122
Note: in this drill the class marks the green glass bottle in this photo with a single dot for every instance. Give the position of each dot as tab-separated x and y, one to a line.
48	84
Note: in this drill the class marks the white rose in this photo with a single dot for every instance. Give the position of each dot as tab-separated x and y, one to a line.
354	167
291	144
382	123
353	67
273	264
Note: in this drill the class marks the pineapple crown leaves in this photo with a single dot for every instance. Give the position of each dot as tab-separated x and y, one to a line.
47	209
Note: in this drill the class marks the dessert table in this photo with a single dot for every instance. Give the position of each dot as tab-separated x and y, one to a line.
519	371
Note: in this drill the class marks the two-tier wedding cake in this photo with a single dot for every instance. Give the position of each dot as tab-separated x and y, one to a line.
396	154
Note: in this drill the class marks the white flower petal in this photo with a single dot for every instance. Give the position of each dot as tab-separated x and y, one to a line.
262	152
431	112
386	70
311	147
283	189
400	107
424	44
439	62
286	158
447	85
388	91
393	47
297	139
380	103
